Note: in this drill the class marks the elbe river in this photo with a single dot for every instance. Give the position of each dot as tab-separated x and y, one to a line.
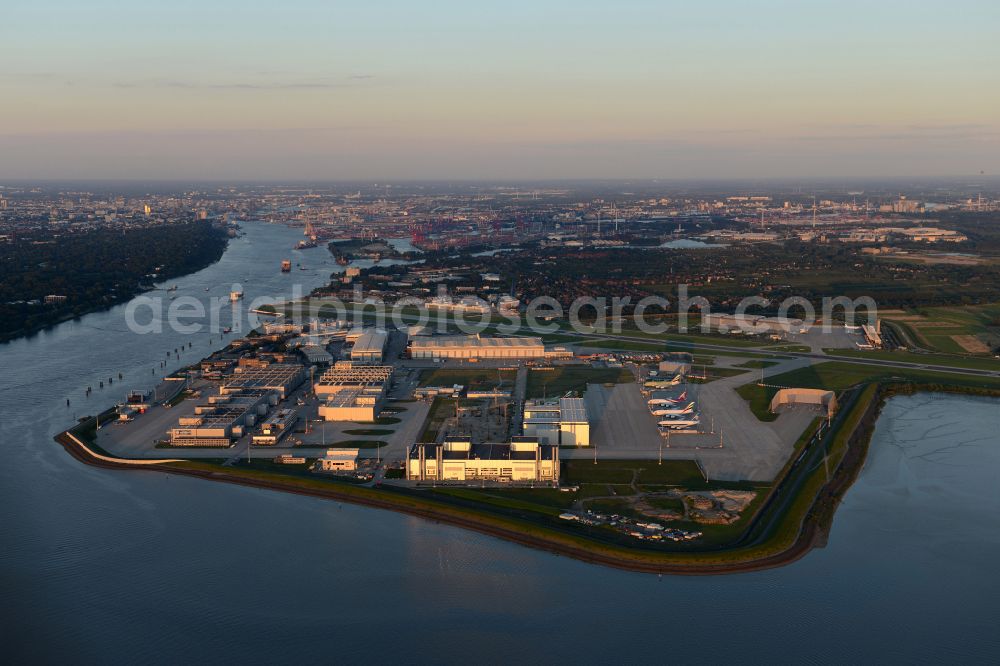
104	566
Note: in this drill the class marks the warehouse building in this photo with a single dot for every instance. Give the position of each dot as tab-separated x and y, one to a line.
280	377
369	347
276	427
457	459
752	323
353	392
562	423
221	419
475	347
346	375
338	460
356	404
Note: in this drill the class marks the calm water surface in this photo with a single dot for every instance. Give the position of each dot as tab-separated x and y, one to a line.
102	566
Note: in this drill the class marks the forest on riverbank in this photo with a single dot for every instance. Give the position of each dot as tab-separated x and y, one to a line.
47	278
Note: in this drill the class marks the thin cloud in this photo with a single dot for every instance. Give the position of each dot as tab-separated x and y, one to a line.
350	82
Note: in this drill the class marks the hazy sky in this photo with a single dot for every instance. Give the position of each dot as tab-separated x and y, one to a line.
540	89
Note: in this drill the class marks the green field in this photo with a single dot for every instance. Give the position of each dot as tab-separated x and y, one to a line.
622	345
564	378
647	472
703	375
934	327
756	364
970	362
476	378
440	410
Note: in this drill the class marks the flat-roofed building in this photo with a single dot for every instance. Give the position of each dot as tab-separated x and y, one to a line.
370	346
356	404
752	323
346	375
557	423
276	427
280	377
476	347
338	460
221	419
458	460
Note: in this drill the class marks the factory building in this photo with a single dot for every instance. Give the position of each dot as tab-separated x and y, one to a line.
345	375
338	460
223	418
369	346
562	423
280	377
353	392
753	323
475	347
276	427
356	404
457	459
464	305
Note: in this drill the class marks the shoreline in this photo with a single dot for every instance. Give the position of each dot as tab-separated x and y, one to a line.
481	525
812	531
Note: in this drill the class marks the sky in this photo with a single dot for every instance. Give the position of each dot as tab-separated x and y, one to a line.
342	90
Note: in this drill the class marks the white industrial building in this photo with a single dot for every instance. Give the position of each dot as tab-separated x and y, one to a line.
753	323
280	377
457	459
476	347
338	460
370	346
562	423
463	305
223	418
353	392
276	427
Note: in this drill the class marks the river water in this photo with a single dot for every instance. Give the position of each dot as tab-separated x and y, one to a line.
106	566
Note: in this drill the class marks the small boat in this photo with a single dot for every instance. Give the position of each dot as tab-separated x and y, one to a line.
172	287
286	266
227	329
235	296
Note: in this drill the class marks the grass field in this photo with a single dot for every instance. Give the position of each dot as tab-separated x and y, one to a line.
701	375
564	378
440	410
936	328
468	377
671	473
622	345
970	362
756	364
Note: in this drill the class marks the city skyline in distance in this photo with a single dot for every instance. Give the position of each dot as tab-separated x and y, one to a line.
542	91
